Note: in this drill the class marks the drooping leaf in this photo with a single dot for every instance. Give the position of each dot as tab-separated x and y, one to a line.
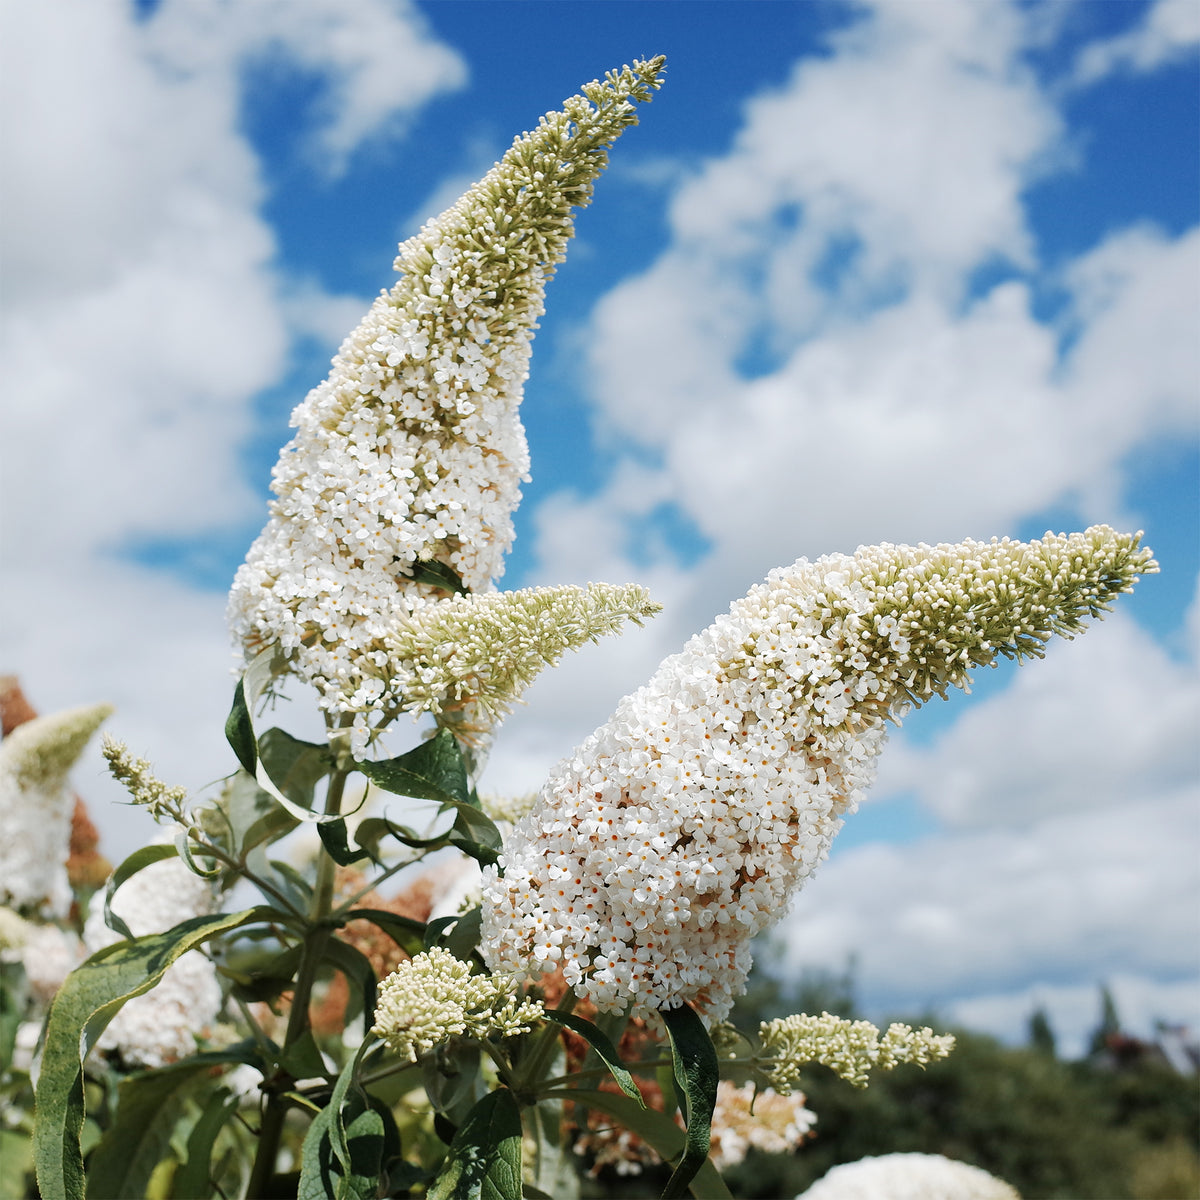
88	999
334	839
239	729
484	1160
433	771
407	933
463	939
303	1060
193	1180
323	1176
295	767
137	861
149	1106
358	972
603	1046
475	833
697	1074
659	1131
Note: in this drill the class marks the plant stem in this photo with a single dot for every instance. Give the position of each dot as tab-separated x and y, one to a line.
315	940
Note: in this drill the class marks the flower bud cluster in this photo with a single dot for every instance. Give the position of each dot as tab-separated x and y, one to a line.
412	450
852	1049
35	808
681	828
164	803
434	997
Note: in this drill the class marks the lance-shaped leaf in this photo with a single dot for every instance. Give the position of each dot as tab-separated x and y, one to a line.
659	1131
433	771
696	1077
136	862
484	1159
88	999
602	1044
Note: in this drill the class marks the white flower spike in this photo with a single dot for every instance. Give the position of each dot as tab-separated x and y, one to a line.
681	828
412	451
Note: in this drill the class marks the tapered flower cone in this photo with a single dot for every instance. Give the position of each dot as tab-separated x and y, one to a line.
681	828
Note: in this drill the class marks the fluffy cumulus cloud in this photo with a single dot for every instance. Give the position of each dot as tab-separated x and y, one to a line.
817	360
142	313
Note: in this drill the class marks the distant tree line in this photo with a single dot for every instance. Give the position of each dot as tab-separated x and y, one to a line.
1123	1123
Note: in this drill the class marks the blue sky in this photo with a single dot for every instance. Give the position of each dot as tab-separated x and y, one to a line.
885	271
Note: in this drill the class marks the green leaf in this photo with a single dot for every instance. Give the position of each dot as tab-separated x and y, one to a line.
239	730
463	940
149	1106
16	1162
323	1176
295	767
433	771
475	833
438	574
334	839
303	1059
603	1047
137	861
88	999
193	1180
484	1159
696	1076
659	1130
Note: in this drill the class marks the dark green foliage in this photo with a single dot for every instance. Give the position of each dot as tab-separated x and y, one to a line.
1052	1129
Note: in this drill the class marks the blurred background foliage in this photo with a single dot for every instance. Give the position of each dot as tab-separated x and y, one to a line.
1122	1123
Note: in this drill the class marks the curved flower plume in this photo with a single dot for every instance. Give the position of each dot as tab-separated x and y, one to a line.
412	451
36	802
680	829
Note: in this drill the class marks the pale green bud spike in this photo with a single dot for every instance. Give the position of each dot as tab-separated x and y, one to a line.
850	1048
38	754
142	784
482	652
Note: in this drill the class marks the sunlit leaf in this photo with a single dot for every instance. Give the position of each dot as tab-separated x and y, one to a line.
433	771
88	999
484	1159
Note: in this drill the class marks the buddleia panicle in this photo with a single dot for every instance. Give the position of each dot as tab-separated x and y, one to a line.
682	827
435	996
412	451
36	802
852	1049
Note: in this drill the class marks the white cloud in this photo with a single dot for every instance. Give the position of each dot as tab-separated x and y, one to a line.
142	313
1065	900
376	59
1105	718
1170	29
